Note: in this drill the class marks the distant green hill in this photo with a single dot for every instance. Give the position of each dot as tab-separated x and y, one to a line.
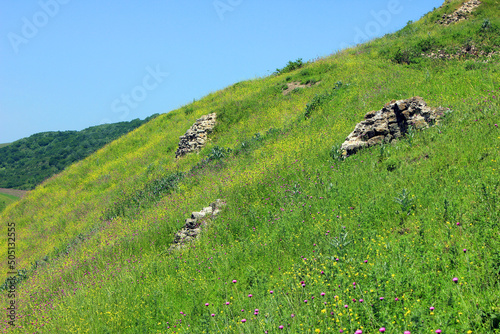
29	161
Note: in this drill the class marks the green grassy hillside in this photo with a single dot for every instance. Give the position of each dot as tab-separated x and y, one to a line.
403	237
27	162
6	199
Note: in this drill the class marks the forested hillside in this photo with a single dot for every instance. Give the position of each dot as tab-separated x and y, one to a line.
27	162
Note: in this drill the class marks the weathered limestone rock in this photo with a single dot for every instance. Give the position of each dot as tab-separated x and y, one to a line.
461	13
390	123
197	135
191	223
208	209
198	215
194	225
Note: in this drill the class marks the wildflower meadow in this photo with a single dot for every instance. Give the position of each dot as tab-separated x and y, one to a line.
399	238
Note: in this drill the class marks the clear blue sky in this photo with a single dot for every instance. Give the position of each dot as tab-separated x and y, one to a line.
71	64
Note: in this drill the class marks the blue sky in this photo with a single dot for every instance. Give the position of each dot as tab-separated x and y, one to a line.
71	64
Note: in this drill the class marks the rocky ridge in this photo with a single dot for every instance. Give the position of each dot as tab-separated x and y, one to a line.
195	224
197	135
461	13
390	123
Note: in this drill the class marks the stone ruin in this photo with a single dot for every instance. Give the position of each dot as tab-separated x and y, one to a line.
467	51
196	136
461	13
195	224
390	123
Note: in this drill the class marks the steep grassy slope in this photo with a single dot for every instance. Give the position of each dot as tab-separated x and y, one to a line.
306	242
27	162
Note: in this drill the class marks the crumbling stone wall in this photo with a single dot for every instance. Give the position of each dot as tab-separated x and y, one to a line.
461	13
196	136
195	224
390	122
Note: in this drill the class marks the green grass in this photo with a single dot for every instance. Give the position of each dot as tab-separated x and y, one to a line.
6	199
398	222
